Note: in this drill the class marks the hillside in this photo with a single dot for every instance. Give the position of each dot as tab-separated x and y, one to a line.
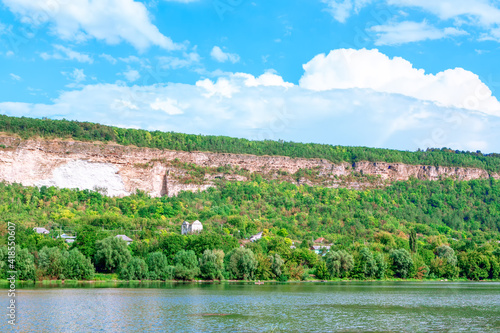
441	221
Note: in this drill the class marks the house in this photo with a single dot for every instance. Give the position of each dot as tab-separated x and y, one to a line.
195	227
256	237
321	249
319	240
67	239
41	231
125	238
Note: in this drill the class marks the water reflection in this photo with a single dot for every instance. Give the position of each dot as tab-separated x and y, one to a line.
314	307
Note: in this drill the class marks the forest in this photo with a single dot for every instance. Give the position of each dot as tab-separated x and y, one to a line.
414	229
85	131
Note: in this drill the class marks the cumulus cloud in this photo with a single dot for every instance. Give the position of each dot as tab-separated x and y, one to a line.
112	21
343	106
131	75
370	69
396	33
65	53
342	9
221	56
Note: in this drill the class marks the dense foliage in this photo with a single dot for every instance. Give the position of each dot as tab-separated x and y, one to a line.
413	229
46	128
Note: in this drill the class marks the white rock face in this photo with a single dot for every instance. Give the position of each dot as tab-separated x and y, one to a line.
86	175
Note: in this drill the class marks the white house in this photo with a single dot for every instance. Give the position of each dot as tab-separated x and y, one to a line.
188	228
256	237
41	231
67	239
125	238
321	249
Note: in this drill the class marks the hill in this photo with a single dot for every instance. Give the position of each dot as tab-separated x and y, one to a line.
379	219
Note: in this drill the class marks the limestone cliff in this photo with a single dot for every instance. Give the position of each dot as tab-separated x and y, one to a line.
121	170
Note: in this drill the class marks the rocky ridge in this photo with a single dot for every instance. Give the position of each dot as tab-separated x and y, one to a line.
121	170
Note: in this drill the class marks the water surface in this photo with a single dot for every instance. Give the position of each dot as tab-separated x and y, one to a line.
301	307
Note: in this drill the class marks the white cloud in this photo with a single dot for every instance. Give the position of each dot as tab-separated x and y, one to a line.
15	77
112	21
267	79
169	106
221	56
355	102
109	58
370	69
77	75
187	60
342	9
483	14
406	32
64	53
131	75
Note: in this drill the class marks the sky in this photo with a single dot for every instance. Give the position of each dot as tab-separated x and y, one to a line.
399	74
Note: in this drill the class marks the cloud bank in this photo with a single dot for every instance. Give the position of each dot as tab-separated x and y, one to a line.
348	97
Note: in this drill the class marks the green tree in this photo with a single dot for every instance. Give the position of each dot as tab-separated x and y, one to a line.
52	262
401	263
111	254
445	264
474	265
242	264
136	269
339	263
263	271
413	241
86	239
25	264
186	265
381	265
78	267
366	266
212	264
276	264
158	266
321	270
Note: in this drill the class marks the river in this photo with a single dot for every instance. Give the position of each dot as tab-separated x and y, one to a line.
292	307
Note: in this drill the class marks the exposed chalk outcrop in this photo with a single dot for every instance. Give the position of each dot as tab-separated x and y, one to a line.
125	169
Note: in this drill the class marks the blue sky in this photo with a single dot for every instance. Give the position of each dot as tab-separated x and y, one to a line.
402	74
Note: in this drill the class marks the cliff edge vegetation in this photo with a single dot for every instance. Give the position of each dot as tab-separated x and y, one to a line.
85	131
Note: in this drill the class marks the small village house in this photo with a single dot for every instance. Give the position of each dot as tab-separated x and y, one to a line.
41	231
125	238
195	227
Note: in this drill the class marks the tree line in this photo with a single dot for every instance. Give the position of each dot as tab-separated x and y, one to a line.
270	258
85	131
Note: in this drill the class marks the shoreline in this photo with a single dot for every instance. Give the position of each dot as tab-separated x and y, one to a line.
4	284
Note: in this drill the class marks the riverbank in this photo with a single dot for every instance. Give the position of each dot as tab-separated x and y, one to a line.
4	284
